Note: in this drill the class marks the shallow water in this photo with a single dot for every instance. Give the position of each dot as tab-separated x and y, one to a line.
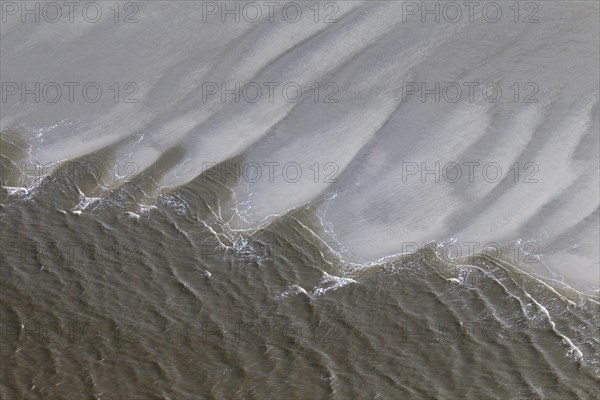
365	241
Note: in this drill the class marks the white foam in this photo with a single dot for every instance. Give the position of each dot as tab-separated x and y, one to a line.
331	282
